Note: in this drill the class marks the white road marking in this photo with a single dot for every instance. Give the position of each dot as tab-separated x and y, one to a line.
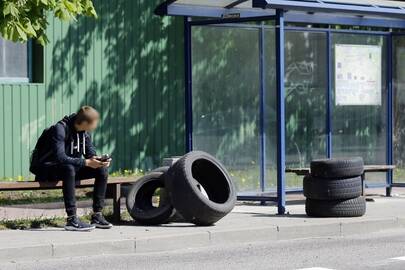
399	258
315	268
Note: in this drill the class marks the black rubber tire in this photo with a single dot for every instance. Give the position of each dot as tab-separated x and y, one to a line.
177	218
184	180
332	189
337	168
162	169
336	208
139	200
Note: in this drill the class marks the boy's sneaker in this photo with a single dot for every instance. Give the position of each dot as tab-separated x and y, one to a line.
98	220
75	224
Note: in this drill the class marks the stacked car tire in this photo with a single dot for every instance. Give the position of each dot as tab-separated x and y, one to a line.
196	188
334	188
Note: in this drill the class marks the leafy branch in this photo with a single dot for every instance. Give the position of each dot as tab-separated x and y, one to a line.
21	20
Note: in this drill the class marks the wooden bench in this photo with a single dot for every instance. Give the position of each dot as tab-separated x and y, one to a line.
367	169
113	185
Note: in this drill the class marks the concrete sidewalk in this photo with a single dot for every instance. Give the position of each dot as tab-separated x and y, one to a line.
245	224
56	209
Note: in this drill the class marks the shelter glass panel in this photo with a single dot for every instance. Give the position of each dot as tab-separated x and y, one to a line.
270	108
306	96
226	99
399	107
359	117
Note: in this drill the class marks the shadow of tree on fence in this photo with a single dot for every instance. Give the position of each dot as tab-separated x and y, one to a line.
129	65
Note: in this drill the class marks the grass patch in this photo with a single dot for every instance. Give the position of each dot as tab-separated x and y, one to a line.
54	222
127	173
249	179
36	223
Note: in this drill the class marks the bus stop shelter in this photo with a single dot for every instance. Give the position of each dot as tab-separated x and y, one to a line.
273	84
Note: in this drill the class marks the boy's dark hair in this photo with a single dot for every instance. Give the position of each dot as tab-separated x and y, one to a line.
86	114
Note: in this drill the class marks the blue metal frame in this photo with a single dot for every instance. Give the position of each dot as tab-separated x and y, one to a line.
262	69
332	19
390	114
212	12
329	96
308	11
230	21
280	73
331	7
260	198
188	85
300	17
334	31
281	19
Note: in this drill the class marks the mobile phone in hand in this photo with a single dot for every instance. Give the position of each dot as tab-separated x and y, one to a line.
104	158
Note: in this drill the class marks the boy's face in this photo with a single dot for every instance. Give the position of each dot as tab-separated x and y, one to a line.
88	126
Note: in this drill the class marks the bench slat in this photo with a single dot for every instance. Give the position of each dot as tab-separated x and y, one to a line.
367	168
33	185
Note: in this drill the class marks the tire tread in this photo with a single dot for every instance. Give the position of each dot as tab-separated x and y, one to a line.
336	208
337	168
332	189
192	207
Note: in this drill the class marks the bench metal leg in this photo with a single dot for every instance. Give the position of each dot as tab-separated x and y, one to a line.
388	191
363	184
389	183
116	189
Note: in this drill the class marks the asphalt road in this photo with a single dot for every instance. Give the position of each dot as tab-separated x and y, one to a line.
375	251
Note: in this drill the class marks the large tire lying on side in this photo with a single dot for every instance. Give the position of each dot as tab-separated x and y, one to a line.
139	200
162	169
175	217
126	187
332	189
337	168
336	208
200	188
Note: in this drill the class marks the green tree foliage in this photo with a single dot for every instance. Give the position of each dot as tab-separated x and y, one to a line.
21	20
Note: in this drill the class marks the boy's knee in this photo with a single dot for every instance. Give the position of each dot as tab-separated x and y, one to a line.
67	170
103	172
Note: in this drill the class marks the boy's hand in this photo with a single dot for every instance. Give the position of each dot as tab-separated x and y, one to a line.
107	163
94	163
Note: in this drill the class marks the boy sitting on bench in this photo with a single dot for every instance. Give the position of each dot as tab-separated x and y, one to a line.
58	155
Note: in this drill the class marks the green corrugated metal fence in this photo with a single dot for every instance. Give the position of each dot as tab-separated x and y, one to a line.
128	64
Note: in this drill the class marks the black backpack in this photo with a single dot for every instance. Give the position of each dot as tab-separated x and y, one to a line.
43	148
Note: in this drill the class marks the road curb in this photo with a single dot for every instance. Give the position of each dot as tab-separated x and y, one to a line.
369	226
171	242
10	257
43	251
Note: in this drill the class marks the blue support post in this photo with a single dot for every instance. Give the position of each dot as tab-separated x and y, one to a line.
329	96
262	111
188	84
281	194
390	114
